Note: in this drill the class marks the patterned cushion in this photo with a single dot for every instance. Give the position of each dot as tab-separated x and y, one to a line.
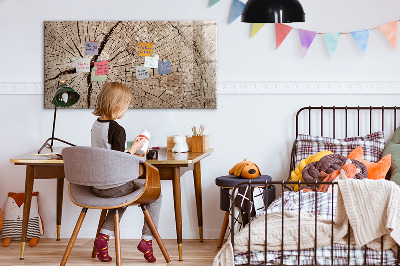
372	144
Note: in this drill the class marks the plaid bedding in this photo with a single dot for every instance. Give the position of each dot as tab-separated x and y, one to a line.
372	145
324	257
322	207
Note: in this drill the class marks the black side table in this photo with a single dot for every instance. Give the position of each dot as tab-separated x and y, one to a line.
226	183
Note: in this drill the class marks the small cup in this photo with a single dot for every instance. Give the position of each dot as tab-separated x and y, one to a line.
152	155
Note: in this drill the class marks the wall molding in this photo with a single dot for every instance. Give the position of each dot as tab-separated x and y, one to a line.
21	88
260	87
309	87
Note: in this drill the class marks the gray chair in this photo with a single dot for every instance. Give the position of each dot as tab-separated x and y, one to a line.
85	167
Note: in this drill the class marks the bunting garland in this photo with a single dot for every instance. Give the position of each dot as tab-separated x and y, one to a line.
213	2
361	37
237	9
332	41
256	27
281	31
389	30
306	39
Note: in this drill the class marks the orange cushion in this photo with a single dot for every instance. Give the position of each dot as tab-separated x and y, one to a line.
375	170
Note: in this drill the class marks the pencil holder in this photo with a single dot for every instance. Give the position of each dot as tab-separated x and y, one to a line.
200	143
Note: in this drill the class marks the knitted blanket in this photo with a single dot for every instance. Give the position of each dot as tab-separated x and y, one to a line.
371	207
274	235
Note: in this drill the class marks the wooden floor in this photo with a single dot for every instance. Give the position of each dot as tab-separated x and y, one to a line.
50	252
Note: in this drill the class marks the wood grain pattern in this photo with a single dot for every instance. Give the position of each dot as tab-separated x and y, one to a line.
49	252
223	230
200	143
117	239
189	45
198	193
73	237
27	206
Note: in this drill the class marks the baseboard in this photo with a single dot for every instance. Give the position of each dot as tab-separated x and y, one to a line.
259	87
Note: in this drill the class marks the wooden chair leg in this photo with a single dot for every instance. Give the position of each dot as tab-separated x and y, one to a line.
117	238
101	222
223	229
154	230
73	237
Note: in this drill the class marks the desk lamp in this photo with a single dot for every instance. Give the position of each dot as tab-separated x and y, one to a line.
64	96
272	11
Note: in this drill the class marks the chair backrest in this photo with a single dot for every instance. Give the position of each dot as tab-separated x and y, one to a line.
92	166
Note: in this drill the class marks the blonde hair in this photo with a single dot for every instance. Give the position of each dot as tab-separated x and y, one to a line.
113	97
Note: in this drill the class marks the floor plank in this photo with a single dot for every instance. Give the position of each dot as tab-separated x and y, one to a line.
50	252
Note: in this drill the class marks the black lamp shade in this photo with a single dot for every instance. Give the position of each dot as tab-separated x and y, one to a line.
273	11
65	96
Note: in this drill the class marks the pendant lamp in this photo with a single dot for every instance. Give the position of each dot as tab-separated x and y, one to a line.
65	96
272	11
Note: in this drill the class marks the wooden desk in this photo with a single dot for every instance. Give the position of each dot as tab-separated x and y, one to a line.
168	164
40	167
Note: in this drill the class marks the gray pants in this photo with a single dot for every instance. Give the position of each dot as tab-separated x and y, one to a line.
154	208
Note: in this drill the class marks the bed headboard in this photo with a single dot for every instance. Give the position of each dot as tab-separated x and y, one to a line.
344	121
344	118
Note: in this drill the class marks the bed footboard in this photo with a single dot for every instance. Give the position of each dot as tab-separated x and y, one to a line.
310	254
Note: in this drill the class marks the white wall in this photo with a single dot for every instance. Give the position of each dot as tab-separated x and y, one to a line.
259	127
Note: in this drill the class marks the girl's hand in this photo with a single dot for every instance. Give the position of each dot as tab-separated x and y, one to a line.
137	144
142	155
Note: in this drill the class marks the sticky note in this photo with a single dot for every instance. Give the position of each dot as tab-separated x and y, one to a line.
142	72
102	67
99	78
151	62
164	67
145	48
92	48
83	65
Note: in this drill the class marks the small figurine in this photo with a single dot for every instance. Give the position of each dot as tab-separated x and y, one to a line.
180	144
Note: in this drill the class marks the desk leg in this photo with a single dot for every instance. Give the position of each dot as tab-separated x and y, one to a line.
60	190
27	206
176	182
199	204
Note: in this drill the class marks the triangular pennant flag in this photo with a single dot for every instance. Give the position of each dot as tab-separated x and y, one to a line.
255	28
361	37
390	32
281	31
332	41
306	39
237	9
213	2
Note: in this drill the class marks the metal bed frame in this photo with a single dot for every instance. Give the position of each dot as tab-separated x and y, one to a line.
283	184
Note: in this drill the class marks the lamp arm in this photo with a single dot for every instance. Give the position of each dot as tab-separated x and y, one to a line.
54	125
46	143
